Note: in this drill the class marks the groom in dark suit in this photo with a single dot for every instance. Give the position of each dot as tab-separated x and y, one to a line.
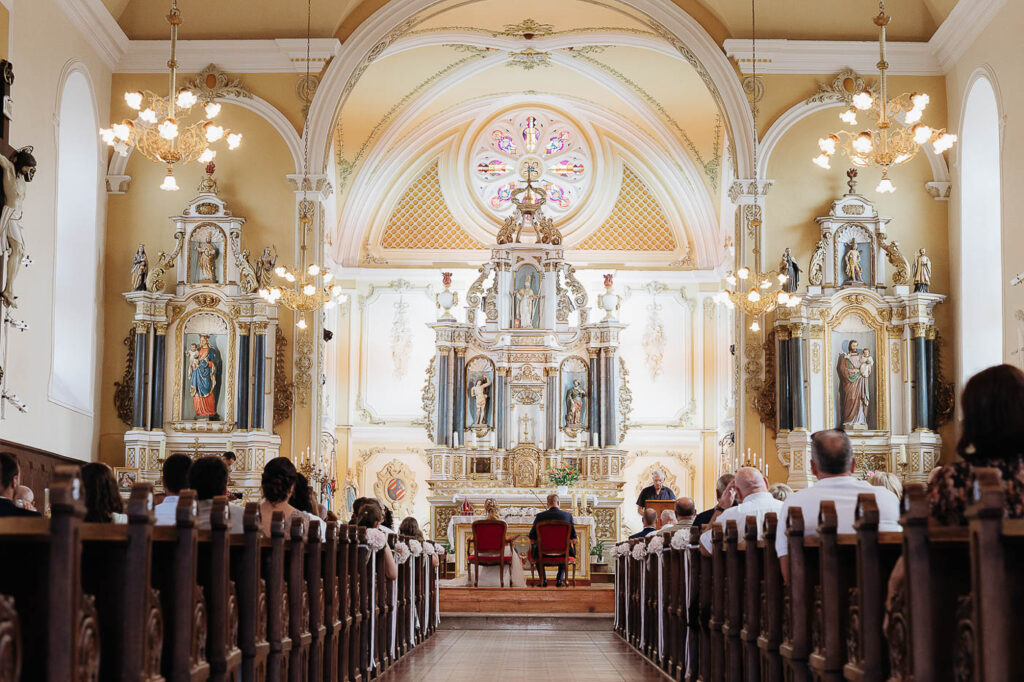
553	513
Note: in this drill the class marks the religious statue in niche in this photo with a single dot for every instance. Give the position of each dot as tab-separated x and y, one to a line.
574	393
526	298
206	254
265	267
855	369
351	491
479	378
204	368
574	399
852	265
789	268
140	268
922	272
18	171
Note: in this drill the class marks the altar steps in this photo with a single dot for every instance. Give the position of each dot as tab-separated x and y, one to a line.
530	608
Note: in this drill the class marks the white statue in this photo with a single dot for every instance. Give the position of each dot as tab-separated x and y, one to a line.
526	299
854	271
207	261
479	394
17	173
922	272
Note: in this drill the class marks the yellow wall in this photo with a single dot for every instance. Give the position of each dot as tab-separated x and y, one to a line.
43	42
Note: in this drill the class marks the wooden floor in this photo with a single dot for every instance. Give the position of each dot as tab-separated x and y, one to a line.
500	656
596	599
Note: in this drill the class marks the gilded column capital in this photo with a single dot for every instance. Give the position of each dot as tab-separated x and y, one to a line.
160	328
931	333
243	328
141	326
259	327
782	333
460	351
798	330
502	371
593	352
444	350
550	371
918	329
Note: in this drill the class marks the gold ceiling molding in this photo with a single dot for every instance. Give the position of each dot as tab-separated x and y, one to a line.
636	223
421	219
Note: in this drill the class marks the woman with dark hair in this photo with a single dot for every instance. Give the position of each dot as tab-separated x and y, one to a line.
410	527
102	501
301	498
370	516
992	435
278	483
388	524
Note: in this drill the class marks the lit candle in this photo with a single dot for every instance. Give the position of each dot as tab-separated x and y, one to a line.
163	449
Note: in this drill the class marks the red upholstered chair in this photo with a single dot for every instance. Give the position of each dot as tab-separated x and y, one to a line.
487	548
553	547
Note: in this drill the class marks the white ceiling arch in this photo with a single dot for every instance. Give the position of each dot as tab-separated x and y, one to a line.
388	24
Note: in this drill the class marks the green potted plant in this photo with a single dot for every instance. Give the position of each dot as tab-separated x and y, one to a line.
597	552
563	476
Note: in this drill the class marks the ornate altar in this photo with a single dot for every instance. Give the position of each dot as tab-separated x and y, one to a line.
528	382
203	354
859	354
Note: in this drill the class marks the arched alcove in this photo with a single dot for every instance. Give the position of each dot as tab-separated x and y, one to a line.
76	262
981	231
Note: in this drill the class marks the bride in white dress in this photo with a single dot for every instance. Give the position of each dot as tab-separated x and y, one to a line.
489	575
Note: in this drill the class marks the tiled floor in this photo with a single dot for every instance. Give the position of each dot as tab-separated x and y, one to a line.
500	655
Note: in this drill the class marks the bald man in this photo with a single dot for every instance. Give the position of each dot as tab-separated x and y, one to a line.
752	491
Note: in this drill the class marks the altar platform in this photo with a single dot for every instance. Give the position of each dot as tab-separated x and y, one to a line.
530	608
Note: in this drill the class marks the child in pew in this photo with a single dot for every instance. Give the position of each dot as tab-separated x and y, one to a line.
370	517
209	478
103	502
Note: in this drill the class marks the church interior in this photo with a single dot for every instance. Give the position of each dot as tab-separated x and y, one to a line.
427	286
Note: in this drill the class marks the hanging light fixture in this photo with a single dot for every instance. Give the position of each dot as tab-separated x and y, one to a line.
311	287
762	296
884	146
164	129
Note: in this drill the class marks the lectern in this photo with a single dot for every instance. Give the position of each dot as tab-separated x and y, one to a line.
658	506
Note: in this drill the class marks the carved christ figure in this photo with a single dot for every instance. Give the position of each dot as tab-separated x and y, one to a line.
854	271
574	398
526	301
479	394
16	173
207	261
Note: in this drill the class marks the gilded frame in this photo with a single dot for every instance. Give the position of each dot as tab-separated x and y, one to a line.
872	319
229	369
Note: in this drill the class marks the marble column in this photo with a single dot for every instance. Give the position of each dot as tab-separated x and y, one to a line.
156	403
460	397
259	353
929	352
785	421
500	402
919	358
798	402
609	423
141	371
441	432
243	374
553	420
594	401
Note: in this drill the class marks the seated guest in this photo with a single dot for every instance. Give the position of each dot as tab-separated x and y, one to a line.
175	478
889	481
209	478
755	500
356	506
278	483
25	498
388	524
780	491
832	462
370	517
229	462
553	513
686	511
10	479
704	518
655	491
668	517
650	519
103	503
992	435
302	498
410	527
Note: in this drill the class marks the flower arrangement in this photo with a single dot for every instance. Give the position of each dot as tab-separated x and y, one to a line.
657	544
415	547
620	549
429	548
563	474
402	552
375	539
680	539
639	551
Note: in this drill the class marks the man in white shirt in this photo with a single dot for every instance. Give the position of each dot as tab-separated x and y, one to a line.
832	462
175	478
755	500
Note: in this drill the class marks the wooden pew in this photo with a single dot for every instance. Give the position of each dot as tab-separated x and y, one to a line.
718	596
116	565
358	555
332	595
175	562
836	577
772	604
877	554
348	602
246	569
753	582
673	590
733	601
278	632
799	594
214	577
10	638
365	605
704	606
316	601
298	598
404	597
689	663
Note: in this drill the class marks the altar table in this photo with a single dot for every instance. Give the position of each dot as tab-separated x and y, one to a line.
460	529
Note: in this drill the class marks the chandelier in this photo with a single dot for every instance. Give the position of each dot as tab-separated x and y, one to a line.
311	287
760	297
164	130
884	146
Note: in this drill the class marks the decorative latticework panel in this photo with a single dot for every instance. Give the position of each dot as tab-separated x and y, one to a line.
421	220
636	223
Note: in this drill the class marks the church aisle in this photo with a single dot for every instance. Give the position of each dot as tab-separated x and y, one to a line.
507	655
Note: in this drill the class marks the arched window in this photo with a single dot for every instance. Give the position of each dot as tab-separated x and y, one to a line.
981	230
75	296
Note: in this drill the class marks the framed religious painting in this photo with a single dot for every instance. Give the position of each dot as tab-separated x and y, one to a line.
205	345
857	392
126	477
206	255
526	298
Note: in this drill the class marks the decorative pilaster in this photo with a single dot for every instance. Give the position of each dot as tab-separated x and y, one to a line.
785	420
156	404
259	353
141	374
608	421
919	358
460	397
242	404
594	400
443	409
797	390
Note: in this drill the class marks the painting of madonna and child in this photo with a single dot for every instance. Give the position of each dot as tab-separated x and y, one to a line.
856	392
203	397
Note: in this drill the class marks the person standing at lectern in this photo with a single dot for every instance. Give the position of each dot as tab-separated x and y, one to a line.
656	491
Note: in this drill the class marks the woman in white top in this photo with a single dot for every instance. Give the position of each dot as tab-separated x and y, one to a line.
103	503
